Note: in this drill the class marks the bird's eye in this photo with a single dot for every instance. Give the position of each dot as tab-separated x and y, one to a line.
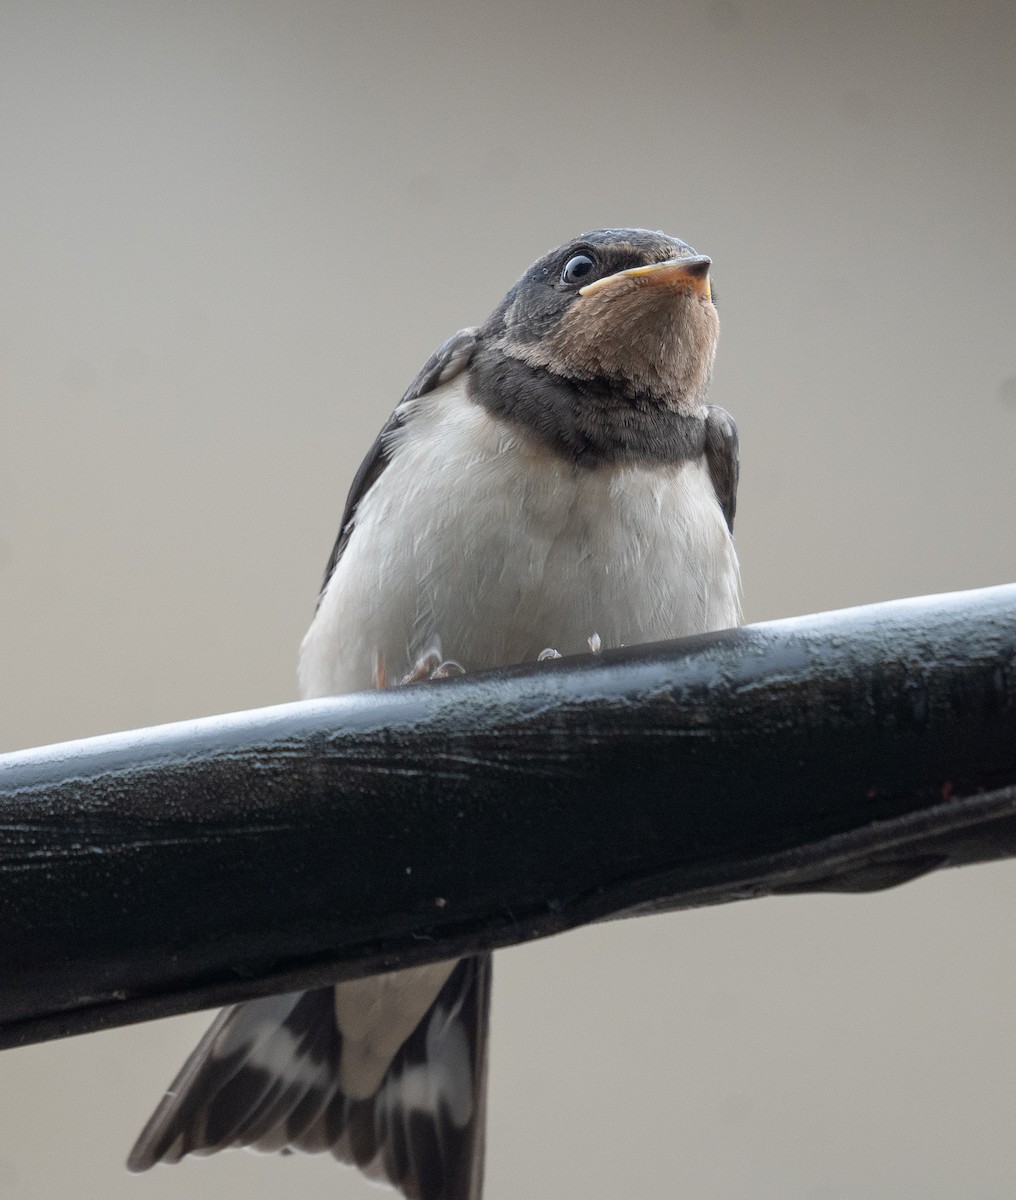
577	268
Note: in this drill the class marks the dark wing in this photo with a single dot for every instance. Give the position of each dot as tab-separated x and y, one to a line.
444	364
266	1075
723	459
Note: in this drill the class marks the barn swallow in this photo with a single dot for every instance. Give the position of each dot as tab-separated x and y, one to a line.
555	479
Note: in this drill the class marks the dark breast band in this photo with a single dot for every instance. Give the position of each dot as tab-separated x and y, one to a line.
587	422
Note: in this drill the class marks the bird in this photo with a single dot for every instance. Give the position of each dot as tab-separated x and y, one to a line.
552	482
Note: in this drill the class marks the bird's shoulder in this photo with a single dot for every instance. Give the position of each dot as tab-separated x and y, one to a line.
723	458
450	359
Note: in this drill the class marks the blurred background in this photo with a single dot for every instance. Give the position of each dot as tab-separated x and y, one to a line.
230	233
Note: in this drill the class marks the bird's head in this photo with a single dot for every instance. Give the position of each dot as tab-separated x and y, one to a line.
628	308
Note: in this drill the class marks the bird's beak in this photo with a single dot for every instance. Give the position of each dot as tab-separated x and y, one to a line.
691	273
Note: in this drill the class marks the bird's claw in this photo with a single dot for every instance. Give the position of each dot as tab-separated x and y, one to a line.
432	666
448	670
593	642
424	668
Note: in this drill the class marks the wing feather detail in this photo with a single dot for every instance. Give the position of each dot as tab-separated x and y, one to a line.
723	457
452	357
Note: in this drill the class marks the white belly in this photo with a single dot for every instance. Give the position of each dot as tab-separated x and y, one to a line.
477	542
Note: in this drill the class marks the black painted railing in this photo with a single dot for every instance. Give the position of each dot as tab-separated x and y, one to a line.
169	869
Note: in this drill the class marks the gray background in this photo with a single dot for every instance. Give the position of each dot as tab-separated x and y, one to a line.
229	235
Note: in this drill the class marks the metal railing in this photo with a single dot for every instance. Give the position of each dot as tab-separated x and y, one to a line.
175	868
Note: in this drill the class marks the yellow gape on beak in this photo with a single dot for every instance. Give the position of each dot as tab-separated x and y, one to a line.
679	273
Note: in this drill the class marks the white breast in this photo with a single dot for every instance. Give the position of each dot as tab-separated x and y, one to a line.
475	541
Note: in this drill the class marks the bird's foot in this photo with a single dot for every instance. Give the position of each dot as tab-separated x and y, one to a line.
593	642
432	666
448	669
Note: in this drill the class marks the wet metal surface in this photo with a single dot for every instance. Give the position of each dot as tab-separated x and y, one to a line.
162	870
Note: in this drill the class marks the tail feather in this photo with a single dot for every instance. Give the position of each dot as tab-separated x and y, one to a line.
270	1075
